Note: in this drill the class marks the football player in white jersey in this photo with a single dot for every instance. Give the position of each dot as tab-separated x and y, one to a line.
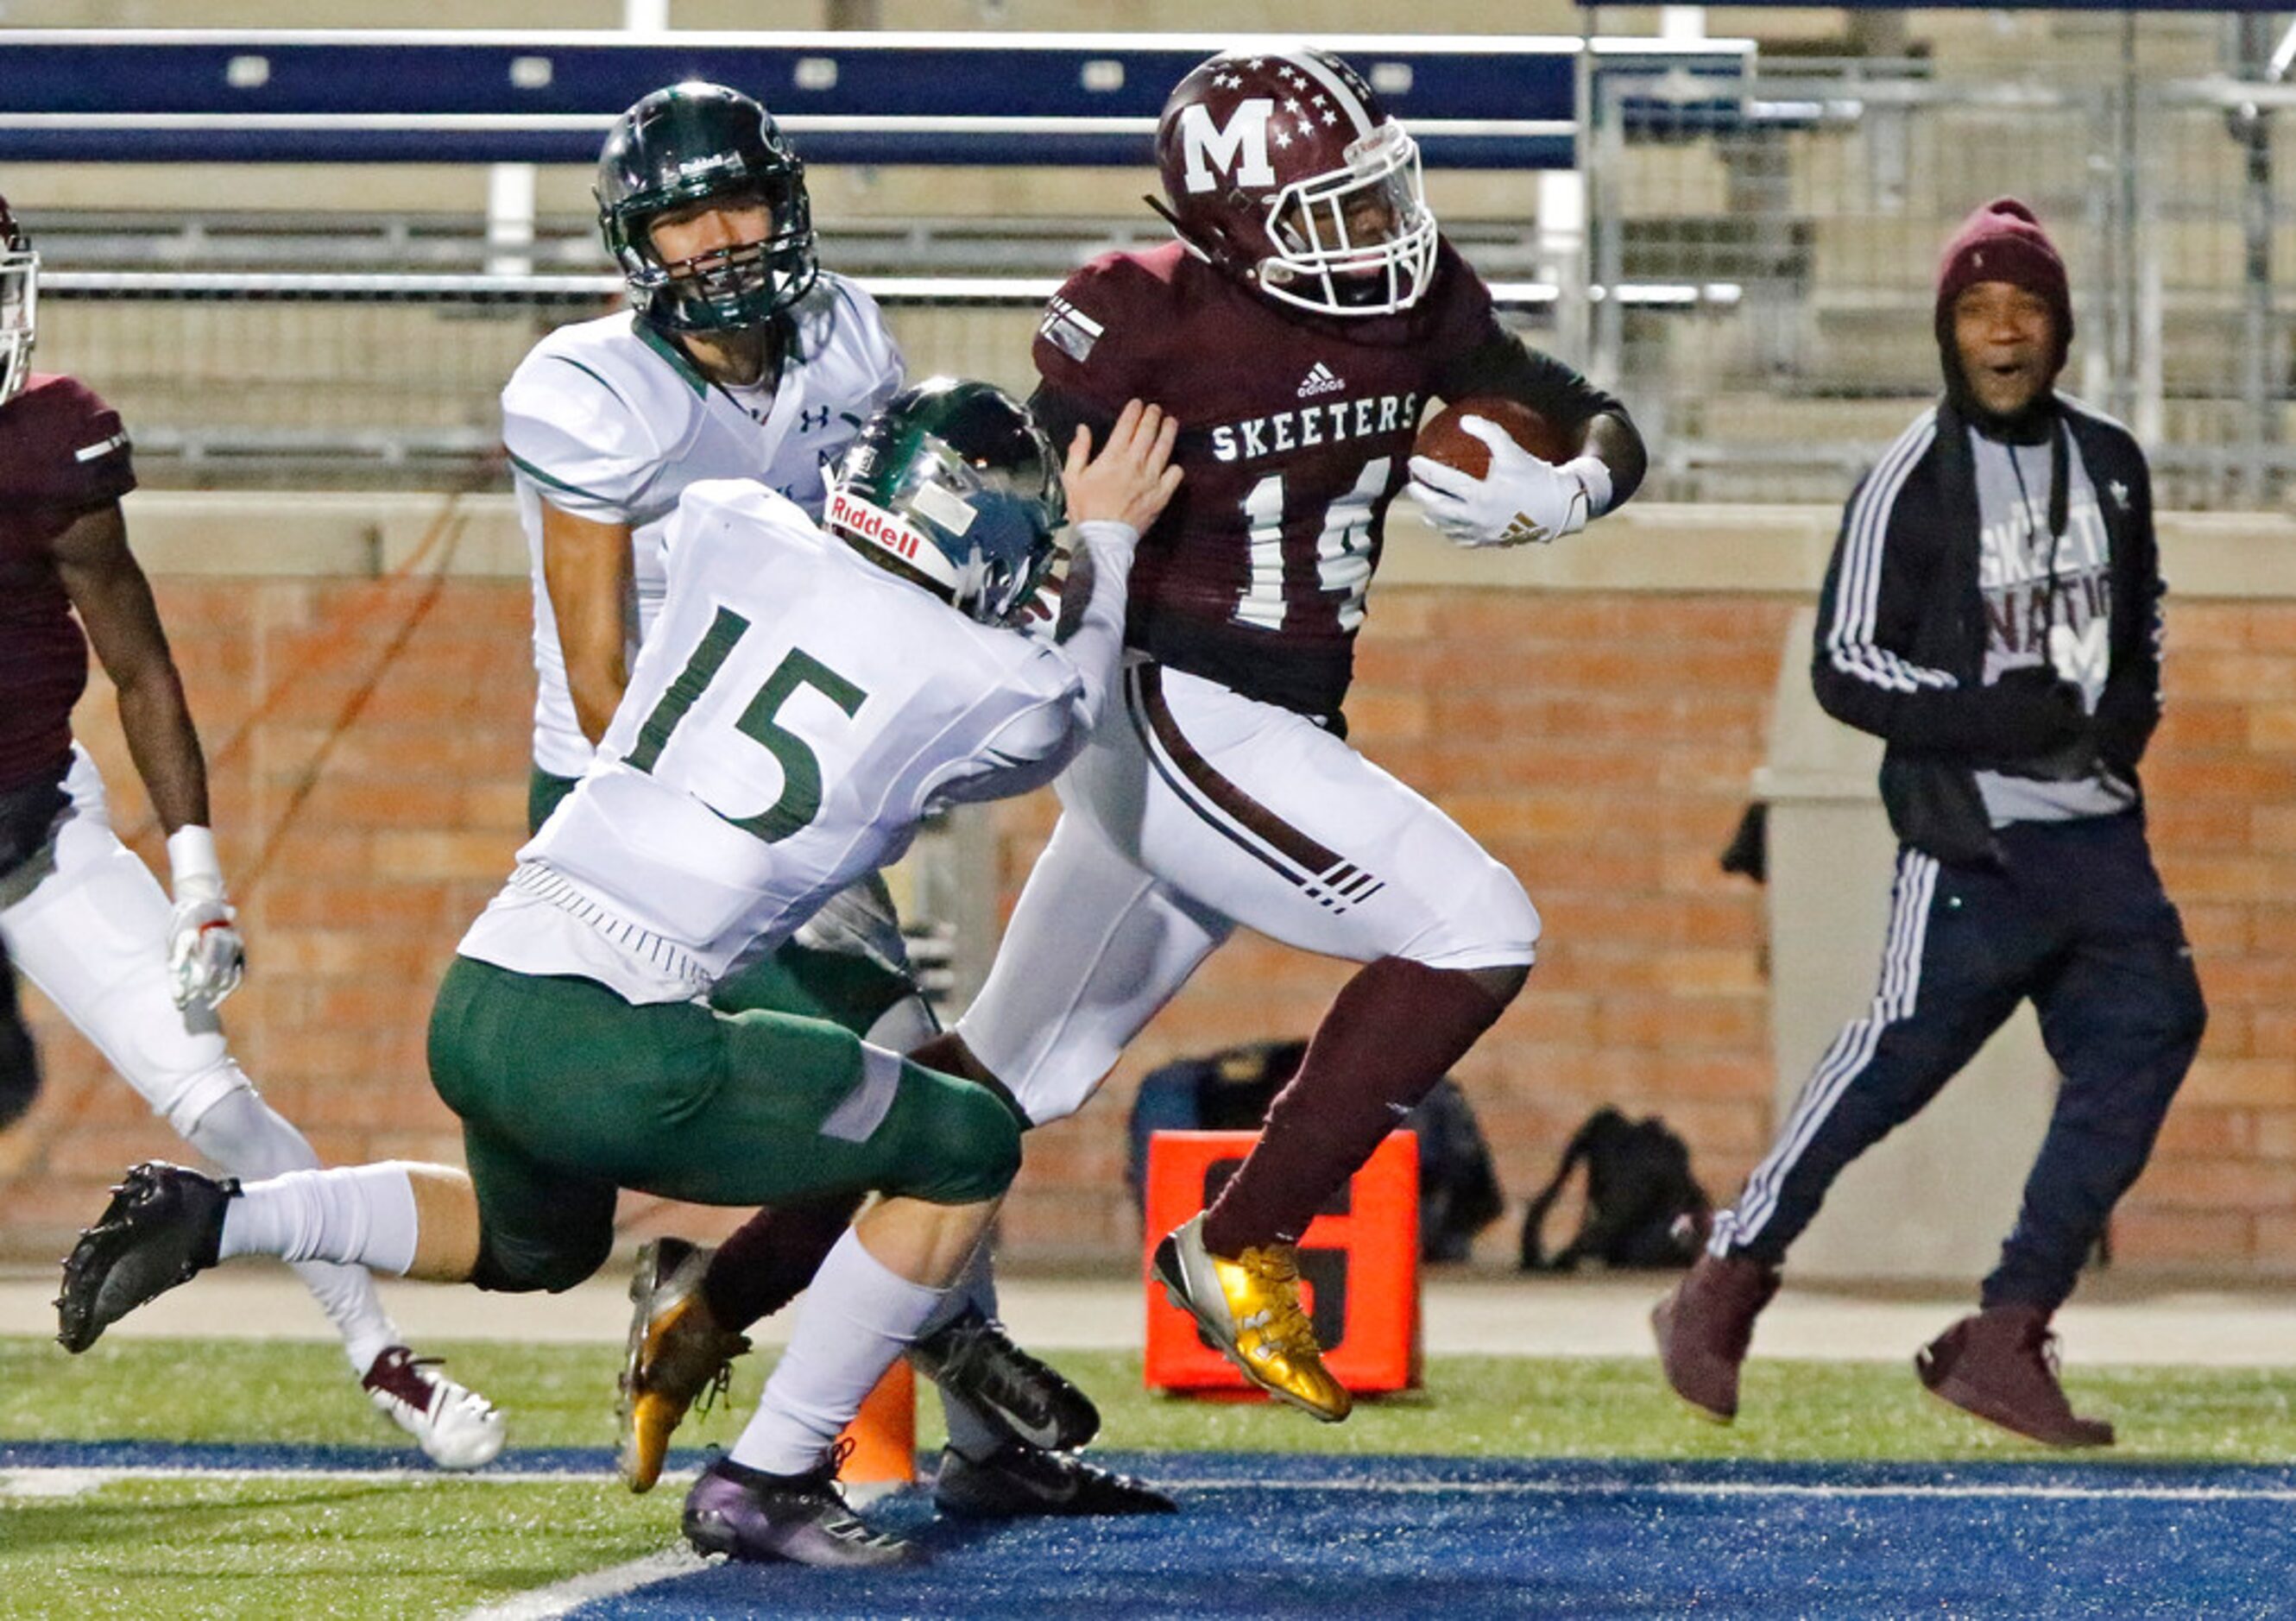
805	699
740	357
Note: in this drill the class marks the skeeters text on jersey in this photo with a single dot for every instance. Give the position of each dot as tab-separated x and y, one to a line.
1296	434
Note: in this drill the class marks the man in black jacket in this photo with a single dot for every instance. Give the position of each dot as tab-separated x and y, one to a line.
1992	612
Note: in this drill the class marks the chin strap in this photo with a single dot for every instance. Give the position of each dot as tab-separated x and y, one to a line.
1220	255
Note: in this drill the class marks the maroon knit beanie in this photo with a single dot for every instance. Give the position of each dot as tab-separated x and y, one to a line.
2003	241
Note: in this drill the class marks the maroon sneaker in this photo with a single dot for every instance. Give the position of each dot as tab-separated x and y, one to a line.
1705	1325
2001	1366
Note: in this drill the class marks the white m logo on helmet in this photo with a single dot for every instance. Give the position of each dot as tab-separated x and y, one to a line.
1242	146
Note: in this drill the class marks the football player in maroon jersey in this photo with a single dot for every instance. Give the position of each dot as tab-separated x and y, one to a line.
81	916
1297	328
1306	316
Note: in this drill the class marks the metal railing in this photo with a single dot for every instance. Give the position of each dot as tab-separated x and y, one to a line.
2168	201
1750	266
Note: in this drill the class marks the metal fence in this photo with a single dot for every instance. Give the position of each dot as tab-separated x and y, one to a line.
1755	275
2172	203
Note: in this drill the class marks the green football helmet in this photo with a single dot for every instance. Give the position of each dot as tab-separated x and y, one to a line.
697	142
954	485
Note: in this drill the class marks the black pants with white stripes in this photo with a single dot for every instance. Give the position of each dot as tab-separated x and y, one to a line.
2076	918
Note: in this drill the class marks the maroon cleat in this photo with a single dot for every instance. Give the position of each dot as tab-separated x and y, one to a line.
2001	1366
1704	1326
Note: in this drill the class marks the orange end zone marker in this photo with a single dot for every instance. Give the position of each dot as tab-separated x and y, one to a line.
884	1436
1358	1267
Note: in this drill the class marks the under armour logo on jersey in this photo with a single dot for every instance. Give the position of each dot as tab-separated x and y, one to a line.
811	420
1320	380
1240	146
2119	493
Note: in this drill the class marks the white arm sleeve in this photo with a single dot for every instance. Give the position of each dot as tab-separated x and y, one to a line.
1094	640
1034	746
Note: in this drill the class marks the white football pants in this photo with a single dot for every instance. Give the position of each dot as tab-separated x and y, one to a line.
1192	810
88	924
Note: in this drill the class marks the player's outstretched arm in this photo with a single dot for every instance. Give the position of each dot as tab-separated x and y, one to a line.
114	602
1112	495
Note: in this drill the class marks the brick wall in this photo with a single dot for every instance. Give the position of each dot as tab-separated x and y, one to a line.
1597	742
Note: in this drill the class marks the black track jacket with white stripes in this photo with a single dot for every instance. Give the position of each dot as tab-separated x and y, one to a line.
1901	625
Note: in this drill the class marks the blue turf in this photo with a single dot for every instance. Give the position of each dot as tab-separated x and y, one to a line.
1288	1535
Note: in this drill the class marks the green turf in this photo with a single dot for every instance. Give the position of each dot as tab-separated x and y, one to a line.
562	1396
435	1546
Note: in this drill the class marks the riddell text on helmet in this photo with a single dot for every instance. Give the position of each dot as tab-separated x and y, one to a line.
877	524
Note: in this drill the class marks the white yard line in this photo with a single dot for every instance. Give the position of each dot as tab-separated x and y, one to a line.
1746	1488
73	1481
66	1482
571	1594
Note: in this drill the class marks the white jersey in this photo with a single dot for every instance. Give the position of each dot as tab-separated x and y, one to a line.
793	715
609	421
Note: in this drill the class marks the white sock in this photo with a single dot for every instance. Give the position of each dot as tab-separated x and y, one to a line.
249	1139
970	1431
858	1315
362	1214
347	1294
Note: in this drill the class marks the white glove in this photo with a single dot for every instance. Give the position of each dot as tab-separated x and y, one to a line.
205	954
1520	500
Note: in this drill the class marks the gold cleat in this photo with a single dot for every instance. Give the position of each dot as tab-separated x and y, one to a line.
676	1353
1249	1308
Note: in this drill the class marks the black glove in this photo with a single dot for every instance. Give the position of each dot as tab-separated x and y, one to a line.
2126	717
2028	713
2035	711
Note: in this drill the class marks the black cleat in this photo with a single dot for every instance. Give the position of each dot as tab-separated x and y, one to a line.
749	1515
162	1227
975	1360
1017	1481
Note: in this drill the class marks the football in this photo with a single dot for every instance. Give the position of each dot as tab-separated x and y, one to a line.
1442	439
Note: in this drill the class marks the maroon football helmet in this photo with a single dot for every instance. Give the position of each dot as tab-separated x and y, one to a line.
18	288
1282	168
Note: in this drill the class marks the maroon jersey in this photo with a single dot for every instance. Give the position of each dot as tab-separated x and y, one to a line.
62	453
1295	435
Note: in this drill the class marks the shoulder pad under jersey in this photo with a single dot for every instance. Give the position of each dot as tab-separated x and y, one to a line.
593	410
61	445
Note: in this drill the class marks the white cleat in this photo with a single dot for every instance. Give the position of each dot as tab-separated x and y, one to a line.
456	1428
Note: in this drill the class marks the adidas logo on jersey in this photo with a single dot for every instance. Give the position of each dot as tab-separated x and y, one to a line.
1319	381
